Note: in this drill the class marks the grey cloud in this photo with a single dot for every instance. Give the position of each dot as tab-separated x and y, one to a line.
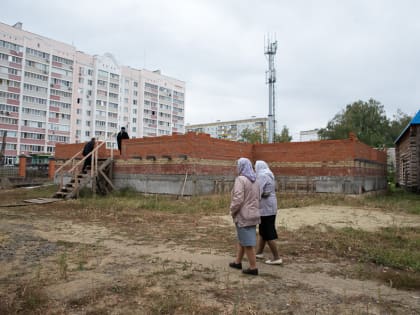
330	53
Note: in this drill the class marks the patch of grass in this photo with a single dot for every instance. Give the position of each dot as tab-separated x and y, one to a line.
17	195
33	298
65	244
392	247
178	302
400	279
82	258
396	200
127	199
163	272
399	200
398	249
62	265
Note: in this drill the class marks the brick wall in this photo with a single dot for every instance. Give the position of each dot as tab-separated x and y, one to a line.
296	164
192	145
66	151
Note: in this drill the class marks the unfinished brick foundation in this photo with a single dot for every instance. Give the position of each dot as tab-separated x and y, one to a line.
194	164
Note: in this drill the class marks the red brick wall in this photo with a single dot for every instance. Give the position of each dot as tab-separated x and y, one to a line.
66	151
173	168
313	151
210	156
191	144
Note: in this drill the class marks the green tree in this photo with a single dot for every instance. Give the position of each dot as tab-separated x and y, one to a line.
366	119
397	125
253	136
283	136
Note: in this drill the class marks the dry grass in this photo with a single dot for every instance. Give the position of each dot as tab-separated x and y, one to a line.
398	252
168	287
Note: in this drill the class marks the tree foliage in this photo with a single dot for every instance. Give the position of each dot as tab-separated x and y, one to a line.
260	136
368	121
253	136
283	136
397	125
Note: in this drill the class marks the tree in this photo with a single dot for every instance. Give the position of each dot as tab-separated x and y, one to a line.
253	136
367	120
283	136
397	125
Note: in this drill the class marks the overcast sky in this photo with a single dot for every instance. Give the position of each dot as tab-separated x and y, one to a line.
330	53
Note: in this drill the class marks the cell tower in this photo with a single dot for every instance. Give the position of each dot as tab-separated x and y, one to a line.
270	50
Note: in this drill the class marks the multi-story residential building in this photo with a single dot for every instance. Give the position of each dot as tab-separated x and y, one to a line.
231	130
50	93
309	135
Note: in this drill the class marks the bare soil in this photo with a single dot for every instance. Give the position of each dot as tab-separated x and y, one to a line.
59	260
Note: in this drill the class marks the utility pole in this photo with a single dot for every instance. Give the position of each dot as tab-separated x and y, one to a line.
270	50
3	148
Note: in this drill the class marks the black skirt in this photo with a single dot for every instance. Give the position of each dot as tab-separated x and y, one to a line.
267	228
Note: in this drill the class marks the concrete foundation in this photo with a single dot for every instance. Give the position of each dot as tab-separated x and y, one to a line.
202	185
175	184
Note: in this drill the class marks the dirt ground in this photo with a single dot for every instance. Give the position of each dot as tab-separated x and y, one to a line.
56	261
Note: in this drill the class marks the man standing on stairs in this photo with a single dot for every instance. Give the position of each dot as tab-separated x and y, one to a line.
86	150
121	135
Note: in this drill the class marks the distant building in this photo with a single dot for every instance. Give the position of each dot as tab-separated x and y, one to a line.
52	93
230	130
390	158
407	154
309	135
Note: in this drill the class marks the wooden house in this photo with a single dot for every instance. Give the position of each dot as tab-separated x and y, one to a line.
407	153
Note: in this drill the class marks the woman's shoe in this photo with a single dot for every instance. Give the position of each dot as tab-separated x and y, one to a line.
259	256
235	265
274	262
253	272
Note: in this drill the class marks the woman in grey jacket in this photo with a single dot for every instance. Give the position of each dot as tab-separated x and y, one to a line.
268	208
244	208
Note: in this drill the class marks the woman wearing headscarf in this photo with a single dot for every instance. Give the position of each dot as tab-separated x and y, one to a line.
268	211
244	208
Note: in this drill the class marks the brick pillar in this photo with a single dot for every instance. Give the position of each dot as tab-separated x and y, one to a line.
51	168
22	165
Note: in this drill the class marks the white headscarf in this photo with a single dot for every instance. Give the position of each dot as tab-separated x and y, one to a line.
261	168
245	169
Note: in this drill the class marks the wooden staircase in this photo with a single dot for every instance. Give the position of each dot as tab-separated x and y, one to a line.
98	177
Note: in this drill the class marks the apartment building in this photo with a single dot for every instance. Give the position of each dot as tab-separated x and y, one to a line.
230	130
309	135
52	93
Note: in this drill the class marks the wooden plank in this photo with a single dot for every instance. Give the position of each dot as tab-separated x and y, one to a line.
107	179
41	200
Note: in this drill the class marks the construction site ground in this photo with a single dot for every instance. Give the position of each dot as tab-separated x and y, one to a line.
140	255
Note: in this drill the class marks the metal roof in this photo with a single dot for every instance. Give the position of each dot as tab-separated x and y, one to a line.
414	121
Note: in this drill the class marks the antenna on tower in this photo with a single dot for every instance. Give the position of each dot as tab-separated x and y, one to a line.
270	49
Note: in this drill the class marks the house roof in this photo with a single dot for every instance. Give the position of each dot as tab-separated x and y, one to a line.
414	121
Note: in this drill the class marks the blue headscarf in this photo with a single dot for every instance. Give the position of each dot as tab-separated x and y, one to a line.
245	169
